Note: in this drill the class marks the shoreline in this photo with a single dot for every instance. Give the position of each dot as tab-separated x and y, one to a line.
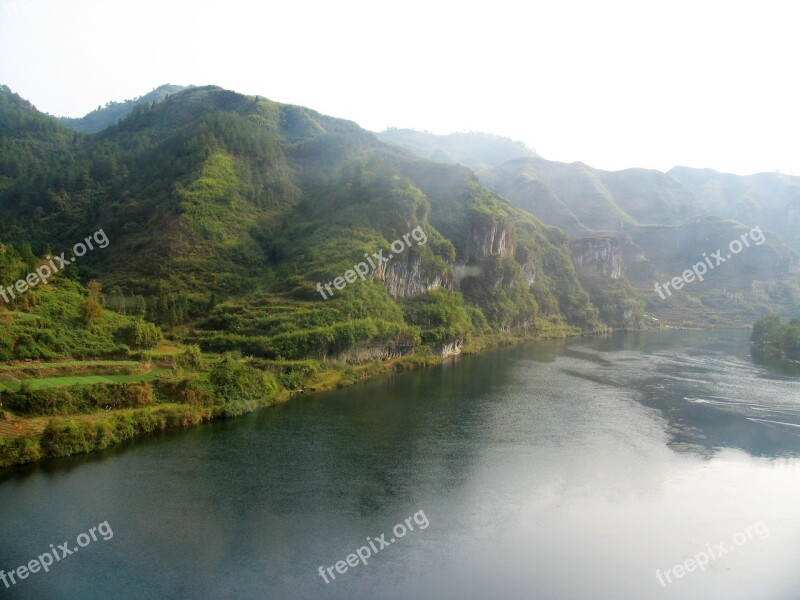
85	433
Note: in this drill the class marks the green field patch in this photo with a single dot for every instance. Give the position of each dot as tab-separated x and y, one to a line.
23	316
52	382
71	363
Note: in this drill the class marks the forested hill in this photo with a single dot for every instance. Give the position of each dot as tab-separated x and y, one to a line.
224	211
103	116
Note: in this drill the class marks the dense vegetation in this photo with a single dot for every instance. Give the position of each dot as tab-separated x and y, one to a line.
773	338
103	116
224	211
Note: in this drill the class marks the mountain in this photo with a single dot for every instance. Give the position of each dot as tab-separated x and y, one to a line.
583	200
472	149
575	197
227	215
771	200
663	223
103	116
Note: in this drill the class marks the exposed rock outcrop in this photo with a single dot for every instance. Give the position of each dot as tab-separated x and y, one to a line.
363	352
597	257
490	238
404	277
529	272
453	348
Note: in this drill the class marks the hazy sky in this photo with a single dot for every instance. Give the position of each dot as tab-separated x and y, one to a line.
610	83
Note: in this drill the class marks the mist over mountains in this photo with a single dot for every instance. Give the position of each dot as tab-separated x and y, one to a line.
583	200
664	222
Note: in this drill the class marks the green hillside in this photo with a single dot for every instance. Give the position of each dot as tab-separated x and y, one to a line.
103	116
225	211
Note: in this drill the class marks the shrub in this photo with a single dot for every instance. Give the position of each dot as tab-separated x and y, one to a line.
140	335
63	438
186	391
191	359
138	395
239	388
19	451
90	311
85	398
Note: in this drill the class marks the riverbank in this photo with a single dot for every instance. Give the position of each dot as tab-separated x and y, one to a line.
107	414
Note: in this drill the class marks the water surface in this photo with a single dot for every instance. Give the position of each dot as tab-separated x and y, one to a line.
557	470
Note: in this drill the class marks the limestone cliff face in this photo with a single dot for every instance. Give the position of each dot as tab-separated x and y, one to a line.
453	348
404	277
597	257
529	272
363	352
490	238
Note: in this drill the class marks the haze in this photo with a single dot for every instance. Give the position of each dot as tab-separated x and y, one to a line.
613	84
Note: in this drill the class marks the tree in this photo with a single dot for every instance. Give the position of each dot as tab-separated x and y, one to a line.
140	335
791	340
96	291
767	333
139	307
90	311
191	358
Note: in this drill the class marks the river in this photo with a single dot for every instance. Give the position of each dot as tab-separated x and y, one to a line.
566	469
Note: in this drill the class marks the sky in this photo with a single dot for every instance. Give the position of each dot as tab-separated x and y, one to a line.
614	84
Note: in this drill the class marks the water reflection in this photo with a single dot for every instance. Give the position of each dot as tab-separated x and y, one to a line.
568	469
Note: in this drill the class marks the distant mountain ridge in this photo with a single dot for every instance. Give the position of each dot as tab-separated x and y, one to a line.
103	116
472	149
583	200
769	199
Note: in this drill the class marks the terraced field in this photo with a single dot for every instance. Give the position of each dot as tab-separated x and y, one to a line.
51	382
71	363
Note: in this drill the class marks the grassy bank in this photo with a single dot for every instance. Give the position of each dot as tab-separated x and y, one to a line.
56	417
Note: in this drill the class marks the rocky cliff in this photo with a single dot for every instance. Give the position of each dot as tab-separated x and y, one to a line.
491	237
453	348
364	351
405	277
597	257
